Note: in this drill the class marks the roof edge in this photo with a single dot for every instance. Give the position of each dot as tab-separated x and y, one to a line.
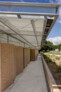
30	4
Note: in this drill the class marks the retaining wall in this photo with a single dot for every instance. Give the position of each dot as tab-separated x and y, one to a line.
53	87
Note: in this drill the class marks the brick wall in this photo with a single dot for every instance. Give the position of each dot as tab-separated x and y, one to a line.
7	68
19	59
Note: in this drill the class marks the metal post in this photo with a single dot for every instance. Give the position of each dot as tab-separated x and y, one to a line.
8	39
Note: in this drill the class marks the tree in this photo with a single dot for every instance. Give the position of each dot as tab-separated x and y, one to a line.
57	47
48	46
60	47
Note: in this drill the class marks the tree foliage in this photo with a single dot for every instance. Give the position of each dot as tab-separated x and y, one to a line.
48	46
57	47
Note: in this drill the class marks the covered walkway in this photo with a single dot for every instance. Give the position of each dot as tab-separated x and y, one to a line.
24	28
31	80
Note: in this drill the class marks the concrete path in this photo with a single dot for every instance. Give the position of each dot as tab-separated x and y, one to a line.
31	80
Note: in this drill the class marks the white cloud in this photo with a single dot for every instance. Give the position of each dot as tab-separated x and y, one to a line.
55	1
55	40
59	1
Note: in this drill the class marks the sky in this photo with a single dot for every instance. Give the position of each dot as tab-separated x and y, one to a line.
55	34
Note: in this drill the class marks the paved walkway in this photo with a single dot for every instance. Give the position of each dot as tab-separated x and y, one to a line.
31	80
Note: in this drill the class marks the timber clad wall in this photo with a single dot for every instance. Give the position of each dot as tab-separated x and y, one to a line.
33	54
36	53
12	60
26	56
7	65
0	70
19	59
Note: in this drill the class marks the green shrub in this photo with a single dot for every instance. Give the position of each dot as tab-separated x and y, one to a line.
59	68
58	58
47	59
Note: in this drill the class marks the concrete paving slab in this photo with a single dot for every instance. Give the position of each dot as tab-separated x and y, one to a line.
31	80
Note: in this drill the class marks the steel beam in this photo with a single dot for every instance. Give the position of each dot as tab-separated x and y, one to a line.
29	4
10	35
54	20
19	16
22	34
44	26
34	29
8	24
27	13
7	38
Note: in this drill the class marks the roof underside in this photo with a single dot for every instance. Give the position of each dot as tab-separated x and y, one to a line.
29	26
